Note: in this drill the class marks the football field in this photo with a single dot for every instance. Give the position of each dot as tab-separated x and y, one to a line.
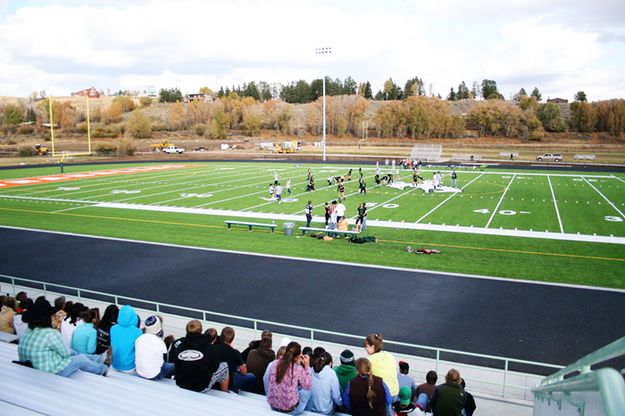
564	217
561	203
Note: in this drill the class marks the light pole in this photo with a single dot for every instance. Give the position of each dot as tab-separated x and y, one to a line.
324	51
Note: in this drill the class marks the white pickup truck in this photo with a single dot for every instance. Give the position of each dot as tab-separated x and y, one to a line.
173	149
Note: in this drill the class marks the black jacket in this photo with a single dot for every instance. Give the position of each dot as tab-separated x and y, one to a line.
196	360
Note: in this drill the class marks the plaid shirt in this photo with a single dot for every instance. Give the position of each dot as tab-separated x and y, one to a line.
44	347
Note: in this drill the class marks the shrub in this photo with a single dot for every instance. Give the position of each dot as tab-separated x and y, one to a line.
139	126
26	151
105	149
146	101
26	129
199	129
127	147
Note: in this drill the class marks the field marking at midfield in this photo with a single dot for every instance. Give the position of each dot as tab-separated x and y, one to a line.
553	195
448	198
500	201
604	197
342	263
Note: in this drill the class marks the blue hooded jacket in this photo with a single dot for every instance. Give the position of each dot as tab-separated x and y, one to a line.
123	336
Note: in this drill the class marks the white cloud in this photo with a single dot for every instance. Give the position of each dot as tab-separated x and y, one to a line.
64	46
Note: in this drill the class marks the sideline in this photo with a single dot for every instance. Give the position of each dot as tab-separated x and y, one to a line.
342	263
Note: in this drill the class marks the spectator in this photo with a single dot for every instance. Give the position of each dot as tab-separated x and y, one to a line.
19	323
307	351
383	363
403	379
197	361
85	336
240	379
469	407
71	322
326	391
150	351
212	335
59	314
279	354
366	394
104	328
259	358
449	398
317	352
404	406
43	346
425	391
19	299
123	337
7	315
290	381
251	346
346	371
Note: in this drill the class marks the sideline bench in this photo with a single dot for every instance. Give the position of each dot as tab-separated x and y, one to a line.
327	231
249	225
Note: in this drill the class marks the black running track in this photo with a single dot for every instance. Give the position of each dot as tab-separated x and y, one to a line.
534	322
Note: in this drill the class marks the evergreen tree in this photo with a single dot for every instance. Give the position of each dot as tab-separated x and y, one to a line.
221	92
490	91
368	92
463	92
379	96
580	96
536	94
349	86
170	95
413	87
452	95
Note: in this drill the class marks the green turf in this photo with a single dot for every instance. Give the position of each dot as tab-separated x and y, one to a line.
526	205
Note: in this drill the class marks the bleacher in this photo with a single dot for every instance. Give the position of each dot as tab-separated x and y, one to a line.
485	383
427	153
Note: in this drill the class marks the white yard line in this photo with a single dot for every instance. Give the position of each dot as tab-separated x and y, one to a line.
500	201
618	179
447	199
555	204
71	209
604	197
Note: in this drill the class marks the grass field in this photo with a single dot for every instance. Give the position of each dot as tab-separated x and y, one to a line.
561	227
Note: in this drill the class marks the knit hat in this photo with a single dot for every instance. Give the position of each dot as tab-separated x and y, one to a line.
347	357
404	367
404	396
153	326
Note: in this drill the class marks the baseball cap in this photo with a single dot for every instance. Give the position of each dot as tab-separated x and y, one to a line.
404	396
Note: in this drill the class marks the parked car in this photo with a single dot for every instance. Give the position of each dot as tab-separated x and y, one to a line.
173	149
555	157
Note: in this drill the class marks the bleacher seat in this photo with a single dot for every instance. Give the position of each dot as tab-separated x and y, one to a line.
427	152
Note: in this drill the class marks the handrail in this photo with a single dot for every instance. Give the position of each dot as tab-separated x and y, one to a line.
607	381
607	352
312	331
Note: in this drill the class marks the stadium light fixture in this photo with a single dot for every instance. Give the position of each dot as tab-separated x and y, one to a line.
324	51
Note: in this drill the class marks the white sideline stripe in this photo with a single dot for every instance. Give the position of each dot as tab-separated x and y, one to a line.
448	198
500	201
555	204
618	179
604	197
385	224
340	263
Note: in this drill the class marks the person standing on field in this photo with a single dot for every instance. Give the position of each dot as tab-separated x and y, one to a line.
454	177
288	186
308	211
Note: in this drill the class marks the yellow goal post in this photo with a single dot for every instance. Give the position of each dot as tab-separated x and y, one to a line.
62	155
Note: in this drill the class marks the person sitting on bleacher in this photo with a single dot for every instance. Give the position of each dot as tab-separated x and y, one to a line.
326	390
85	336
290	381
425	391
7	314
123	337
150	351
383	363
43	346
104	328
449	398
346	371
71	322
240	379
279	354
404	379
367	394
18	320
60	314
197	362
258	360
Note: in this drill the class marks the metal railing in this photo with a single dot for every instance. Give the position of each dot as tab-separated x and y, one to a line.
312	334
579	377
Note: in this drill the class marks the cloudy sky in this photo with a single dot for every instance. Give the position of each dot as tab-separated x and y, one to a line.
560	46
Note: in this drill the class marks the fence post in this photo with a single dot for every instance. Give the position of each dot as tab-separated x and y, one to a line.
505	380
312	336
79	297
438	357
255	328
45	290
